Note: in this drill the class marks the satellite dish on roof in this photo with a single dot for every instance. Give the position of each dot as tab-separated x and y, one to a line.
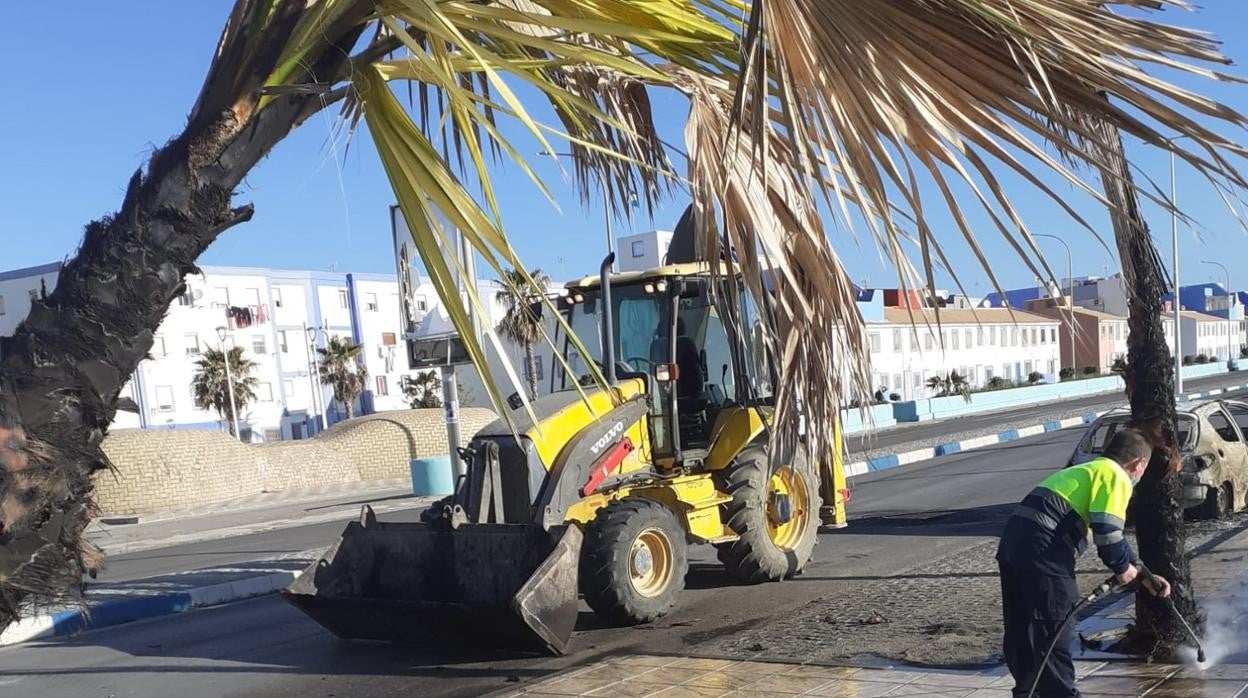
196	294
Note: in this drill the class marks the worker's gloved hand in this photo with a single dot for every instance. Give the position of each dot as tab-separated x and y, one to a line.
1128	575
1157	585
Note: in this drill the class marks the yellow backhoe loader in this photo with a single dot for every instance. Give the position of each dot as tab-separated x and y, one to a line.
602	493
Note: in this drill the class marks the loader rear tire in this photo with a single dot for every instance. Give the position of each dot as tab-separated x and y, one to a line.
633	561
769	548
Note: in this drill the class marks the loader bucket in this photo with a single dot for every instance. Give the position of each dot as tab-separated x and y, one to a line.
483	586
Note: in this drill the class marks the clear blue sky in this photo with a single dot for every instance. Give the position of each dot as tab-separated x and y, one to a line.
89	94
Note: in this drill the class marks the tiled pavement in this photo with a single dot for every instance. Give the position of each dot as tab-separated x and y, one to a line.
635	676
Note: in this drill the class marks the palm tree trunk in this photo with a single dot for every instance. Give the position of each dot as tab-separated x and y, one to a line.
63	368
1157	508
531	360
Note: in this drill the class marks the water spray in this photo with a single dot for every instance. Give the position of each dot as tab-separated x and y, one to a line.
1104	588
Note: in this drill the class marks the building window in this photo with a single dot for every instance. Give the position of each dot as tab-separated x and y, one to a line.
987	374
257	344
1033	337
387	339
914	340
342	298
538	365
931	341
896	340
1025	337
967	338
1027	367
639	249
979	336
874	339
220	296
1014	336
992	336
264	392
288	388
277	297
1052	366
896	381
164	398
192	344
1053	334
382	387
371	304
158	347
957	339
422	304
282	346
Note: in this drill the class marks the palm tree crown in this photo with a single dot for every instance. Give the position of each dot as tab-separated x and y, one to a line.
342	368
521	324
210	386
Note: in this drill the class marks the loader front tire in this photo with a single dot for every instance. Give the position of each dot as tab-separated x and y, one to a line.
633	561
775	514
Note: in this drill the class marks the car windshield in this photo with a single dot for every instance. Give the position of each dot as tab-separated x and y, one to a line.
1104	430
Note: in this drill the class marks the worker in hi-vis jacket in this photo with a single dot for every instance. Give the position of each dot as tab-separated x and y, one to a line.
1043	537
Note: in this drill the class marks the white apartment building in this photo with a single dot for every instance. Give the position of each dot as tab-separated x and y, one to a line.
1205	334
279	318
979	344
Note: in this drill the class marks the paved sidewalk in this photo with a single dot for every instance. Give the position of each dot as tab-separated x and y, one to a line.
635	676
1220	577
252	514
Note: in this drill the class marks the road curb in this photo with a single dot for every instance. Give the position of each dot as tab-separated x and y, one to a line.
141	607
893	460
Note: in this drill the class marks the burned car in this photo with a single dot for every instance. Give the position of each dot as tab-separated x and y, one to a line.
1211	440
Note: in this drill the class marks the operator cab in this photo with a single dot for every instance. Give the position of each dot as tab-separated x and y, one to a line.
667	332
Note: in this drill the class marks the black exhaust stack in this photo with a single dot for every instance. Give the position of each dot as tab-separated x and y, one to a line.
608	324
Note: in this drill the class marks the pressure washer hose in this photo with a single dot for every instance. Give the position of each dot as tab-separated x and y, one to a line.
1105	587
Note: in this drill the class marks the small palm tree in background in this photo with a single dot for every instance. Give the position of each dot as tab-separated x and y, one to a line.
211	387
521	325
342	368
422	391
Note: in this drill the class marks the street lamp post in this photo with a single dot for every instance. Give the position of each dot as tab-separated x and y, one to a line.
1070	284
606	204
1230	335
1174	260
314	376
229	383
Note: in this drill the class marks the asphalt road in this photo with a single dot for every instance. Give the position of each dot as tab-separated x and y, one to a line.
911	433
900	519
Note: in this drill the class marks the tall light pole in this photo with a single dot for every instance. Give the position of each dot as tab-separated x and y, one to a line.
1230	336
314	376
1070	284
606	204
229	383
1174	241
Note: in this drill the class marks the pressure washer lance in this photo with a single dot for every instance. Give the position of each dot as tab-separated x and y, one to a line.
1110	586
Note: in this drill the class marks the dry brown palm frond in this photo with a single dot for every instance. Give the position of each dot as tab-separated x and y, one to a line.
875	101
742	206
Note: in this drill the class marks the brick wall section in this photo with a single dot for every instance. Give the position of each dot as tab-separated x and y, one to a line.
170	470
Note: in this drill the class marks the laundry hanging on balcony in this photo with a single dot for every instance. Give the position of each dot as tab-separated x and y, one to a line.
239	318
